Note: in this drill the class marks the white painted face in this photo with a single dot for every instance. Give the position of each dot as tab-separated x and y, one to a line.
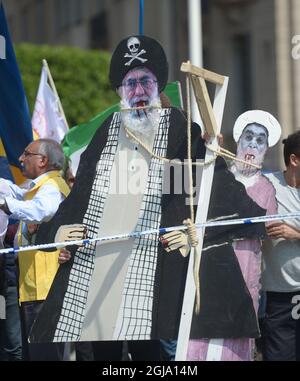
252	146
254	139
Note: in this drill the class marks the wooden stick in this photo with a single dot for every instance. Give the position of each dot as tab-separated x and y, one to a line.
204	105
207	75
202	210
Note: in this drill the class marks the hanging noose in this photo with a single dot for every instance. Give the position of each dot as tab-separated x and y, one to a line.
190	223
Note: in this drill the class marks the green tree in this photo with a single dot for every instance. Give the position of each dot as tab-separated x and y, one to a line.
80	76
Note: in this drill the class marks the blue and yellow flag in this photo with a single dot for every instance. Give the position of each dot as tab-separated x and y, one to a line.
15	123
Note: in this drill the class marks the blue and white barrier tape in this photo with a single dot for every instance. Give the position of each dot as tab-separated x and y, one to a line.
238	221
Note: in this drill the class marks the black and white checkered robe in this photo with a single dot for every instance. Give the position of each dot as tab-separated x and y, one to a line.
154	286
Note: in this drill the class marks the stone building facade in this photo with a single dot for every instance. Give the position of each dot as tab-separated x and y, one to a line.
251	41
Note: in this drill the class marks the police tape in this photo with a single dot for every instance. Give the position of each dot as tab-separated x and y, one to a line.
208	224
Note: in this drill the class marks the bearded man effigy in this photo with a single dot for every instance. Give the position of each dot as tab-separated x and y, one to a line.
131	288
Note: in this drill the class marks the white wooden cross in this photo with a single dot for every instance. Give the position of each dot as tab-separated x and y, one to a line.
212	119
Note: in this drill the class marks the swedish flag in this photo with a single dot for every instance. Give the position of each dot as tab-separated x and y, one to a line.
15	124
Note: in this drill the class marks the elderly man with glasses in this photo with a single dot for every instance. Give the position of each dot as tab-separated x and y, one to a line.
41	163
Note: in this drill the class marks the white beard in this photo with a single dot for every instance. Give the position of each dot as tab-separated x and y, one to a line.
144	125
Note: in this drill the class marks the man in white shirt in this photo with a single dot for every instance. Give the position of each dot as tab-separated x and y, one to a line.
41	161
281	274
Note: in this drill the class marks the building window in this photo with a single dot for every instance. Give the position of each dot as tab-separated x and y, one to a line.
242	71
68	13
99	31
76	11
40	24
205	7
25	24
60	15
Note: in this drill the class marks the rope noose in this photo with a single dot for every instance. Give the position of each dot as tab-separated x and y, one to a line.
190	223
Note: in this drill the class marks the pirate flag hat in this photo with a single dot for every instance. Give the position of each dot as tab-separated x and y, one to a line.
136	51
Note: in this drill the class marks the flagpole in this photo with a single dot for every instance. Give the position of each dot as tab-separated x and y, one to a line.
52	84
141	18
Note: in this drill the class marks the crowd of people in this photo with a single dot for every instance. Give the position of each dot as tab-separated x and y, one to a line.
130	291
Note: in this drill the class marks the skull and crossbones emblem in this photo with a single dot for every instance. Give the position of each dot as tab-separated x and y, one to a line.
133	45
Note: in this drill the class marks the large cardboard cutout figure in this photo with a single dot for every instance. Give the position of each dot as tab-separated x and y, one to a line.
254	131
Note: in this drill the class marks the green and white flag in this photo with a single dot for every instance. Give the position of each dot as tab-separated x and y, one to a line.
78	137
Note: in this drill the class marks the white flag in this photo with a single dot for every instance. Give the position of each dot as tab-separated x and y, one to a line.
47	120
